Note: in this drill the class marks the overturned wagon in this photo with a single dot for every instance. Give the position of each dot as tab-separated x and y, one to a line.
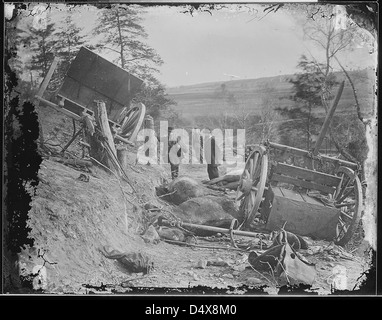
91	78
300	196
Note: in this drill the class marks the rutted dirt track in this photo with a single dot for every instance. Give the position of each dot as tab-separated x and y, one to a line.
72	219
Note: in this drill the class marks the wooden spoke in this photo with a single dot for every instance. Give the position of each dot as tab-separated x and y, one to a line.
344	188
346	215
251	168
339	186
348	198
256	158
345	204
253	198
346	194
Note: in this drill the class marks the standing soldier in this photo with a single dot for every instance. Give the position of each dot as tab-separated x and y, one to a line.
176	150
211	153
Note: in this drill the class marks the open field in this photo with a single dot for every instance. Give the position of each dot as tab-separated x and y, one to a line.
251	94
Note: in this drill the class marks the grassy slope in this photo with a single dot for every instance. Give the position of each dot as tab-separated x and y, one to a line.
201	99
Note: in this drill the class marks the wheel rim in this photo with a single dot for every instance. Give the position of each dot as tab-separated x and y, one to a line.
347	198
251	187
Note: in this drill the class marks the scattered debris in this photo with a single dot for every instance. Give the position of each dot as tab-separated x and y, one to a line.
202	264
83	177
239	268
314	250
253	281
152	208
196	277
295	241
283	261
217	263
171	234
132	261
151	235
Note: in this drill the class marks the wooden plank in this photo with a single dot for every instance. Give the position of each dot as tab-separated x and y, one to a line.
72	105
119	138
56	107
290	194
47	78
104	126
306	174
75	107
328	119
303	218
304	153
293	195
303	184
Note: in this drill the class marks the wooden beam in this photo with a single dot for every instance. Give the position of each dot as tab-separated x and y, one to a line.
328	119
304	184
56	107
119	138
47	78
304	153
221	230
102	121
86	110
306	174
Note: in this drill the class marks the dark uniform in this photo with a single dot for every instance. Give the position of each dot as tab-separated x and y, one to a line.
174	166
213	150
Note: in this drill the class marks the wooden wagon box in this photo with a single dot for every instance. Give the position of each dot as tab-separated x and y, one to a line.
91	77
302	214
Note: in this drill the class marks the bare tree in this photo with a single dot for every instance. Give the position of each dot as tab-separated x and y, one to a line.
333	40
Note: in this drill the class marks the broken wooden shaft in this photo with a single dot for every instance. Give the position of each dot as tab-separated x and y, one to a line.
328	119
47	78
202	246
217	229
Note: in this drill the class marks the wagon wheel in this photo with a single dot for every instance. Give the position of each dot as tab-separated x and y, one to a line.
348	198
132	121
251	187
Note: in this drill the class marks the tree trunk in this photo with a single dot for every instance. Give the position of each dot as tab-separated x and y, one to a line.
120	40
357	106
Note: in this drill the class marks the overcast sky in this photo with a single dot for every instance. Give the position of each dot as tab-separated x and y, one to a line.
204	47
233	41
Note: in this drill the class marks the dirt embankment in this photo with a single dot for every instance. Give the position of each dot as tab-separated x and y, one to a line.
71	219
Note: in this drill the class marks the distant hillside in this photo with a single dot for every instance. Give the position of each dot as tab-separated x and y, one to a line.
252	94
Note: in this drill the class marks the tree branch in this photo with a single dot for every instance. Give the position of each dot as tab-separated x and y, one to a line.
357	106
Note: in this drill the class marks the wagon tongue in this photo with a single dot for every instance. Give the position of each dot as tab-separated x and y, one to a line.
328	119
